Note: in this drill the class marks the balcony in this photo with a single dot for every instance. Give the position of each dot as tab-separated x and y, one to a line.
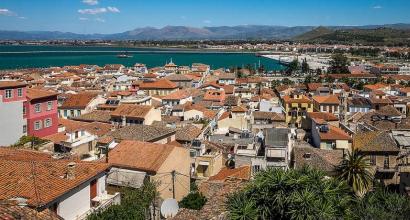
386	169
101	203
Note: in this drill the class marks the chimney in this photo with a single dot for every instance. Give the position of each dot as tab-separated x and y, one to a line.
124	121
71	170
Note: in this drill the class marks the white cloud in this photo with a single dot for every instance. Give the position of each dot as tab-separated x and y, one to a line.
100	20
377	7
6	12
90	2
21	17
207	21
183	17
83	19
92	11
113	9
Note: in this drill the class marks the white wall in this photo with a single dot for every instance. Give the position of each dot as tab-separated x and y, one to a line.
75	205
11	122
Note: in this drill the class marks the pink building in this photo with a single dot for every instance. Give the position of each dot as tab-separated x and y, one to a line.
40	110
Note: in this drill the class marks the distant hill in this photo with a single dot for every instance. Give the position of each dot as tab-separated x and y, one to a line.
241	32
370	36
314	34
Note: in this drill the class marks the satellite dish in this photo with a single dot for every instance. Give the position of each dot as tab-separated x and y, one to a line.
169	208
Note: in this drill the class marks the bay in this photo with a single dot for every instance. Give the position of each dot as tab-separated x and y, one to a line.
18	57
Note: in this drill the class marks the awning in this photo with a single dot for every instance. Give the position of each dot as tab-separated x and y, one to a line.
204	163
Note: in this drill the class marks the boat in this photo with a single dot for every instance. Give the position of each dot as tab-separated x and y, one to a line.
124	55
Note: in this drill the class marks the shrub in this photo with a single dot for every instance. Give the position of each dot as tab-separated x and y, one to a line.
194	200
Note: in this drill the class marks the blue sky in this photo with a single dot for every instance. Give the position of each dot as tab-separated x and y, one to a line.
113	16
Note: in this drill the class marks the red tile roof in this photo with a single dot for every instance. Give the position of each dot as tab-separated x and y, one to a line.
240	173
11	84
334	133
328	99
140	155
78	101
323	116
302	99
178	95
42	181
131	110
33	94
158	84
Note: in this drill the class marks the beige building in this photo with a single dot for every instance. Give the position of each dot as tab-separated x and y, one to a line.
382	152
130	114
160	87
232	119
166	165
78	104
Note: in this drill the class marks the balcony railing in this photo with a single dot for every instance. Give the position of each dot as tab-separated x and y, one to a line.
103	202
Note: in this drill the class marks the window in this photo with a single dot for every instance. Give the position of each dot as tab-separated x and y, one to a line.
47	123
37	125
372	160
72	113
65	113
24	110
49	105
20	92
256	168
386	162
24	128
37	107
9	93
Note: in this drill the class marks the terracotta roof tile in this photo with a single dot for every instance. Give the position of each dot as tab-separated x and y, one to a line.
334	133
329	99
178	95
158	84
78	101
95	116
187	133
11	84
375	141
240	173
131	110
140	155
39	93
323	115
42	181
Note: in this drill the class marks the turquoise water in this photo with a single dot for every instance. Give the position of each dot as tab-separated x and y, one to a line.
17	57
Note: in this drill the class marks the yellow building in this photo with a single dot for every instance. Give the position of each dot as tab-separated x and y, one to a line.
295	107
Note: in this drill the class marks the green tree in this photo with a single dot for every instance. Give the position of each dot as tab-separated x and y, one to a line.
291	194
354	169
309	194
287	81
381	204
194	200
242	208
135	204
339	64
390	81
34	142
308	79
293	66
305	66
329	79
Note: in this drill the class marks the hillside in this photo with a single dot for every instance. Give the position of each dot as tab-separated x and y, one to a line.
374	33
377	36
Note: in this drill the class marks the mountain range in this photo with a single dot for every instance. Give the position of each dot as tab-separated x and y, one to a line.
241	32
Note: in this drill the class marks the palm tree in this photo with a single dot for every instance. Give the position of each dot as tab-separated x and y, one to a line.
355	170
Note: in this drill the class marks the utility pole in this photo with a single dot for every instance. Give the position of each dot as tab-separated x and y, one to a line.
173	184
